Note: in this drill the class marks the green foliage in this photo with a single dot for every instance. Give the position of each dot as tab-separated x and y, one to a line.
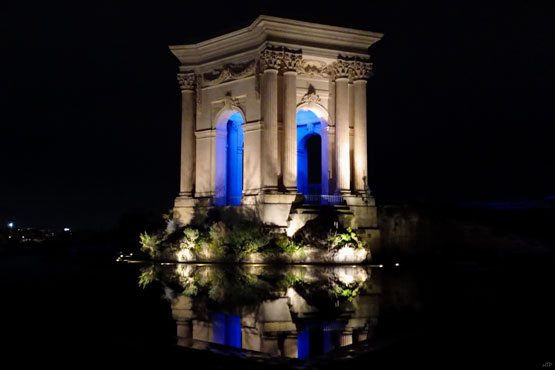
348	292
348	238
288	280
190	237
287	245
150	243
146	277
219	240
245	238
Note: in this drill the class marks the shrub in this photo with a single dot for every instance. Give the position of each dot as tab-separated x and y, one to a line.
348	238
150	243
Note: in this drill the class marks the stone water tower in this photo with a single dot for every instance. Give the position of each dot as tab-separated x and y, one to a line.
274	124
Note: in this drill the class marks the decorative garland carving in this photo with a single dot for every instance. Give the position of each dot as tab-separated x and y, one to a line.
313	68
229	72
186	80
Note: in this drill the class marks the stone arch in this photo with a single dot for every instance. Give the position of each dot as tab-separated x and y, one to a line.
228	164
323	117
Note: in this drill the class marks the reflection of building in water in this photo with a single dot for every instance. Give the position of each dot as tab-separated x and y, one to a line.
343	310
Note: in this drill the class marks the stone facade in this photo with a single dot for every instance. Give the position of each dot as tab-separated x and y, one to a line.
264	79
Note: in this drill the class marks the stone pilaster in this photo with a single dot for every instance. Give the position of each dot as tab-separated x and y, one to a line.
291	60
270	61
360	72
346	338
187	85
341	72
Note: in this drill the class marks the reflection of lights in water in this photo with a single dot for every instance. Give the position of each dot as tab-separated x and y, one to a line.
350	275
350	255
184	270
184	255
346	279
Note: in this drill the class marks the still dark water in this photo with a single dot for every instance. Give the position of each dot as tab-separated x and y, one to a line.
73	310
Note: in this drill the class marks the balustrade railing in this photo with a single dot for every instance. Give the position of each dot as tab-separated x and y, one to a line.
324	200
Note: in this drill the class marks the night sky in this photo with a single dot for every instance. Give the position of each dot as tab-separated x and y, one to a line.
460	108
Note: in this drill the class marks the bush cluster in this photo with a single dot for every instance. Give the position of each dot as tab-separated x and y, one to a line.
233	241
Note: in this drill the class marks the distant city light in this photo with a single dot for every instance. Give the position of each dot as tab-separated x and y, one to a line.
10	225
397	264
66	228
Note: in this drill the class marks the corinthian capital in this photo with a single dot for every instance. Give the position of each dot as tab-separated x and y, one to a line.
342	67
186	80
291	59
361	69
271	57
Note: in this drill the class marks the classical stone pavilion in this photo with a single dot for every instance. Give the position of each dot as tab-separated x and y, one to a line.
274	124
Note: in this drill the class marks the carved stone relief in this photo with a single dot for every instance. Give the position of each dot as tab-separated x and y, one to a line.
186	80
291	59
271	57
361	69
229	72
313	68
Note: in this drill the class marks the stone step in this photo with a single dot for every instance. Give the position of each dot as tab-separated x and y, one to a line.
311	209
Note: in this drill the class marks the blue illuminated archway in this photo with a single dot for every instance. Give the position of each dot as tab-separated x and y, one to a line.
309	153
229	160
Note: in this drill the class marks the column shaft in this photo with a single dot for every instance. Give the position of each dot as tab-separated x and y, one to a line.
187	143
290	133
342	134
270	163
360	137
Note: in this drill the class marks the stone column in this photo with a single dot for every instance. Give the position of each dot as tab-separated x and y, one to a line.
360	71
291	59
182	312
187	85
270	60
341	70
346	338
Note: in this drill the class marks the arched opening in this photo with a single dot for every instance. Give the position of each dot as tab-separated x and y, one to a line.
229	161
309	153
314	164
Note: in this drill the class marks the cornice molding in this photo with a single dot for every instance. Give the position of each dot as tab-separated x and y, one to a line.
324	39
